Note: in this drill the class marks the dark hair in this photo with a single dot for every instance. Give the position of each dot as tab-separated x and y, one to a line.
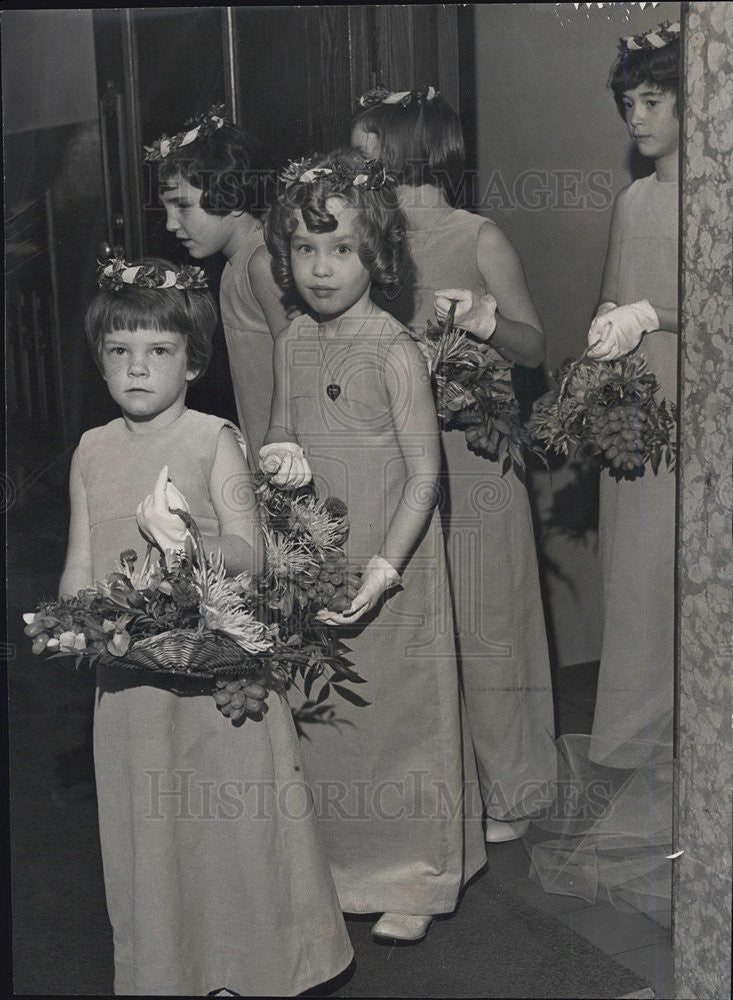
227	164
190	312
380	221
420	140
659	67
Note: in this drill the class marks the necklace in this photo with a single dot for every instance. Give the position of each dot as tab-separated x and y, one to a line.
333	389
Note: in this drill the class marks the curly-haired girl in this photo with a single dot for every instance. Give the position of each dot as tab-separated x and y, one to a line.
353	401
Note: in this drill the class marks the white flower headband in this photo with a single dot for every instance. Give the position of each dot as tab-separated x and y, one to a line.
657	38
341	174
116	273
403	97
203	125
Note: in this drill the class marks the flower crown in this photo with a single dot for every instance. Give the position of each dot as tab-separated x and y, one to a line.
117	273
196	128
382	96
340	173
657	38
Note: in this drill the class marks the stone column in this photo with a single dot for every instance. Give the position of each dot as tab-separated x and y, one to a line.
702	882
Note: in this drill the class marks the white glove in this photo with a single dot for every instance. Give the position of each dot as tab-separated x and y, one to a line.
619	329
286	463
378	577
475	313
154	517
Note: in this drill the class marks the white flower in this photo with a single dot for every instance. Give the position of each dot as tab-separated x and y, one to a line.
165	147
396	97
360	179
313	174
29	617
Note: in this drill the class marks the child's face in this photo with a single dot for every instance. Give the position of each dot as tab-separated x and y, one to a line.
326	267
202	234
651	120
147	373
366	142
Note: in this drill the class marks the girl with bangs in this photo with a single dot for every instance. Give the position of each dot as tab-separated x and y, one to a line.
353	408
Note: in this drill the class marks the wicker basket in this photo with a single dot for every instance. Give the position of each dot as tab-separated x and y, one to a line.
190	652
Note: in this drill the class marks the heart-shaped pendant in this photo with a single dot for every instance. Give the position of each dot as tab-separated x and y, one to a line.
333	390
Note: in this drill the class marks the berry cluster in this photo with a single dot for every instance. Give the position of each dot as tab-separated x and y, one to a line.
334	586
619	434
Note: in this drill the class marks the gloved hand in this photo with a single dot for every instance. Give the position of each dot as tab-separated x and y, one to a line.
286	463
154	517
378	577
475	313
619	329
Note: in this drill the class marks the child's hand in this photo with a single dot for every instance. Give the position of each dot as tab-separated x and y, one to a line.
618	330
379	577
154	517
286	464
475	313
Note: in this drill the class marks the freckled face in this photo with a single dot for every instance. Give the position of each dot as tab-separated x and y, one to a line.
651	120
202	234
147	374
326	267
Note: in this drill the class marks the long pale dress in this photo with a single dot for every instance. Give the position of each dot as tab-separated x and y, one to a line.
214	873
615	838
500	625
636	519
389	778
249	344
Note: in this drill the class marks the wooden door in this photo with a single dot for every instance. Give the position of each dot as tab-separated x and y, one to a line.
290	75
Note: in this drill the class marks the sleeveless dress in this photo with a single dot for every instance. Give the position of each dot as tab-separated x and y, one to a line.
388	778
620	855
249	344
500	625
214	873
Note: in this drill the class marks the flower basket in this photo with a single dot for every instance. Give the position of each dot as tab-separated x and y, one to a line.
183	616
608	409
188	651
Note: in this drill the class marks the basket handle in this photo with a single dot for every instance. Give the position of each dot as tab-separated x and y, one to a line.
199	546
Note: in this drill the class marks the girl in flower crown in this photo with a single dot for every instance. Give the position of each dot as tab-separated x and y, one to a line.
639	309
495	581
353	403
212	185
212	880
622	855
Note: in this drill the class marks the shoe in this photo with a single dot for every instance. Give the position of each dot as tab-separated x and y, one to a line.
401	927
498	831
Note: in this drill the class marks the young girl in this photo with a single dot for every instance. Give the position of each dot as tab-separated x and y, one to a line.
491	550
353	403
211	185
639	308
211	882
623	854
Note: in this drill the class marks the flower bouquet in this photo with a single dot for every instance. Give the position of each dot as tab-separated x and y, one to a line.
184	616
473	391
607	408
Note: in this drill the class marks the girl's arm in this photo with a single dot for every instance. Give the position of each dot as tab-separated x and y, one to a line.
611	266
280	428
416	424
518	336
77	573
266	291
232	496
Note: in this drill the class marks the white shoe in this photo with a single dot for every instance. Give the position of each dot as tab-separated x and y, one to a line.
498	831
401	927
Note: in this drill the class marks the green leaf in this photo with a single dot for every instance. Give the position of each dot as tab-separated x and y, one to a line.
350	696
323	693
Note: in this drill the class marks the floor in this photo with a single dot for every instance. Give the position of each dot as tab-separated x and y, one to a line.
632	939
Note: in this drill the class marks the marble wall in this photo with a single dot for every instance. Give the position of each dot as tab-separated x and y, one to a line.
702	886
